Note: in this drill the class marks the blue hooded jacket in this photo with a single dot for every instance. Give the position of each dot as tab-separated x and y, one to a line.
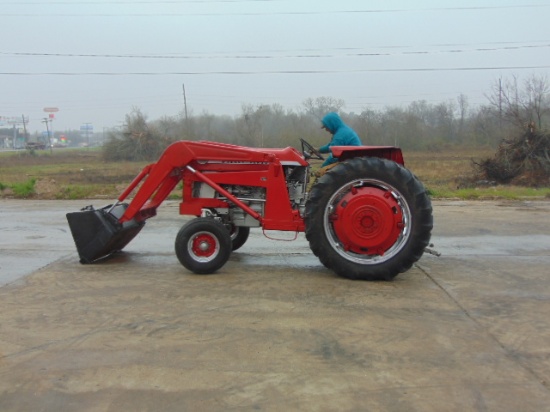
343	135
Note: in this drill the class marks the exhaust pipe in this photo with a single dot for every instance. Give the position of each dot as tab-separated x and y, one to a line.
98	233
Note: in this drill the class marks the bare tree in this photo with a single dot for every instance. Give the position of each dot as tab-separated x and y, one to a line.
320	106
521	107
536	93
139	140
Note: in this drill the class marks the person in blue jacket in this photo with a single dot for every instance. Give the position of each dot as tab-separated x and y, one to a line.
342	135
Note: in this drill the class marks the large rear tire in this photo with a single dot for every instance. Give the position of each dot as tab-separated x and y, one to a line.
368	218
203	245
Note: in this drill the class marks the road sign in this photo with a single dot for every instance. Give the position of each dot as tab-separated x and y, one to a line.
13	120
86	130
51	109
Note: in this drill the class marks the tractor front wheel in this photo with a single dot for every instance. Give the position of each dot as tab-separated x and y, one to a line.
203	245
239	235
368	218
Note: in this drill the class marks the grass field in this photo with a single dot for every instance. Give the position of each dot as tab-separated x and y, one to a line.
81	173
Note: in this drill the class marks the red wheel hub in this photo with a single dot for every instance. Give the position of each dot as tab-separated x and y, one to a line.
204	245
367	220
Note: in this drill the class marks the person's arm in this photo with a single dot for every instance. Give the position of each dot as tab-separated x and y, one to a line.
329	160
325	148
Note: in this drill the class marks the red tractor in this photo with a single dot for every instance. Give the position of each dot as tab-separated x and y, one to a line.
367	217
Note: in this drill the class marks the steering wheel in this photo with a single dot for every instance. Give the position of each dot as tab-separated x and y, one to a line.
310	152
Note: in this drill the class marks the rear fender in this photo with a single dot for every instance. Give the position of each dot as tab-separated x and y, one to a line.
385	152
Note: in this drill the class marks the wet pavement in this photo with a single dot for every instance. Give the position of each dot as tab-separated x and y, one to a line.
274	329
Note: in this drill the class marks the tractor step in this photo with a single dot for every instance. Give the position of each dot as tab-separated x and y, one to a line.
97	233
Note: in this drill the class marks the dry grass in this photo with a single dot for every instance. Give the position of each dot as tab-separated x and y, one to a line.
444	168
67	166
66	173
82	173
450	175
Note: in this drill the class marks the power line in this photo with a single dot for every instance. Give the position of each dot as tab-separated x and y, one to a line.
204	73
273	13
272	56
87	3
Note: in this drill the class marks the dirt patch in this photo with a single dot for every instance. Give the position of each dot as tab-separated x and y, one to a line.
46	188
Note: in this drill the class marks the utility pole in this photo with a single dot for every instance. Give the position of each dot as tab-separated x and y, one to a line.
500	104
46	120
184	102
25	128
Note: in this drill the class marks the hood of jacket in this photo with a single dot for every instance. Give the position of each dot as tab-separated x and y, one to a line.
332	121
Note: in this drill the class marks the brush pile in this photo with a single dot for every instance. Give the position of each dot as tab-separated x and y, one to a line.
524	161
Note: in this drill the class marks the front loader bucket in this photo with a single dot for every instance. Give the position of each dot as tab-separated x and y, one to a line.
97	233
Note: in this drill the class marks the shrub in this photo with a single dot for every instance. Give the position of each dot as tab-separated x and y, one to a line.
139	141
523	161
25	189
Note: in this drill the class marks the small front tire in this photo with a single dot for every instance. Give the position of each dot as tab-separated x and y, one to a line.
203	245
239	236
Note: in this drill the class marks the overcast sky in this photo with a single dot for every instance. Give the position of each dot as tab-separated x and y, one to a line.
95	60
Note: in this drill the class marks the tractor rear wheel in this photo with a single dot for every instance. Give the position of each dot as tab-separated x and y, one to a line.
203	245
368	218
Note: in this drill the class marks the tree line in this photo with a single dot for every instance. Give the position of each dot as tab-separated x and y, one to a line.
512	107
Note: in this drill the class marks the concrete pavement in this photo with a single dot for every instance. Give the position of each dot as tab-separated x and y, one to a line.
274	329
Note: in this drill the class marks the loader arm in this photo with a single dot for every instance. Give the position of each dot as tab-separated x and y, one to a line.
99	233
160	178
157	181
